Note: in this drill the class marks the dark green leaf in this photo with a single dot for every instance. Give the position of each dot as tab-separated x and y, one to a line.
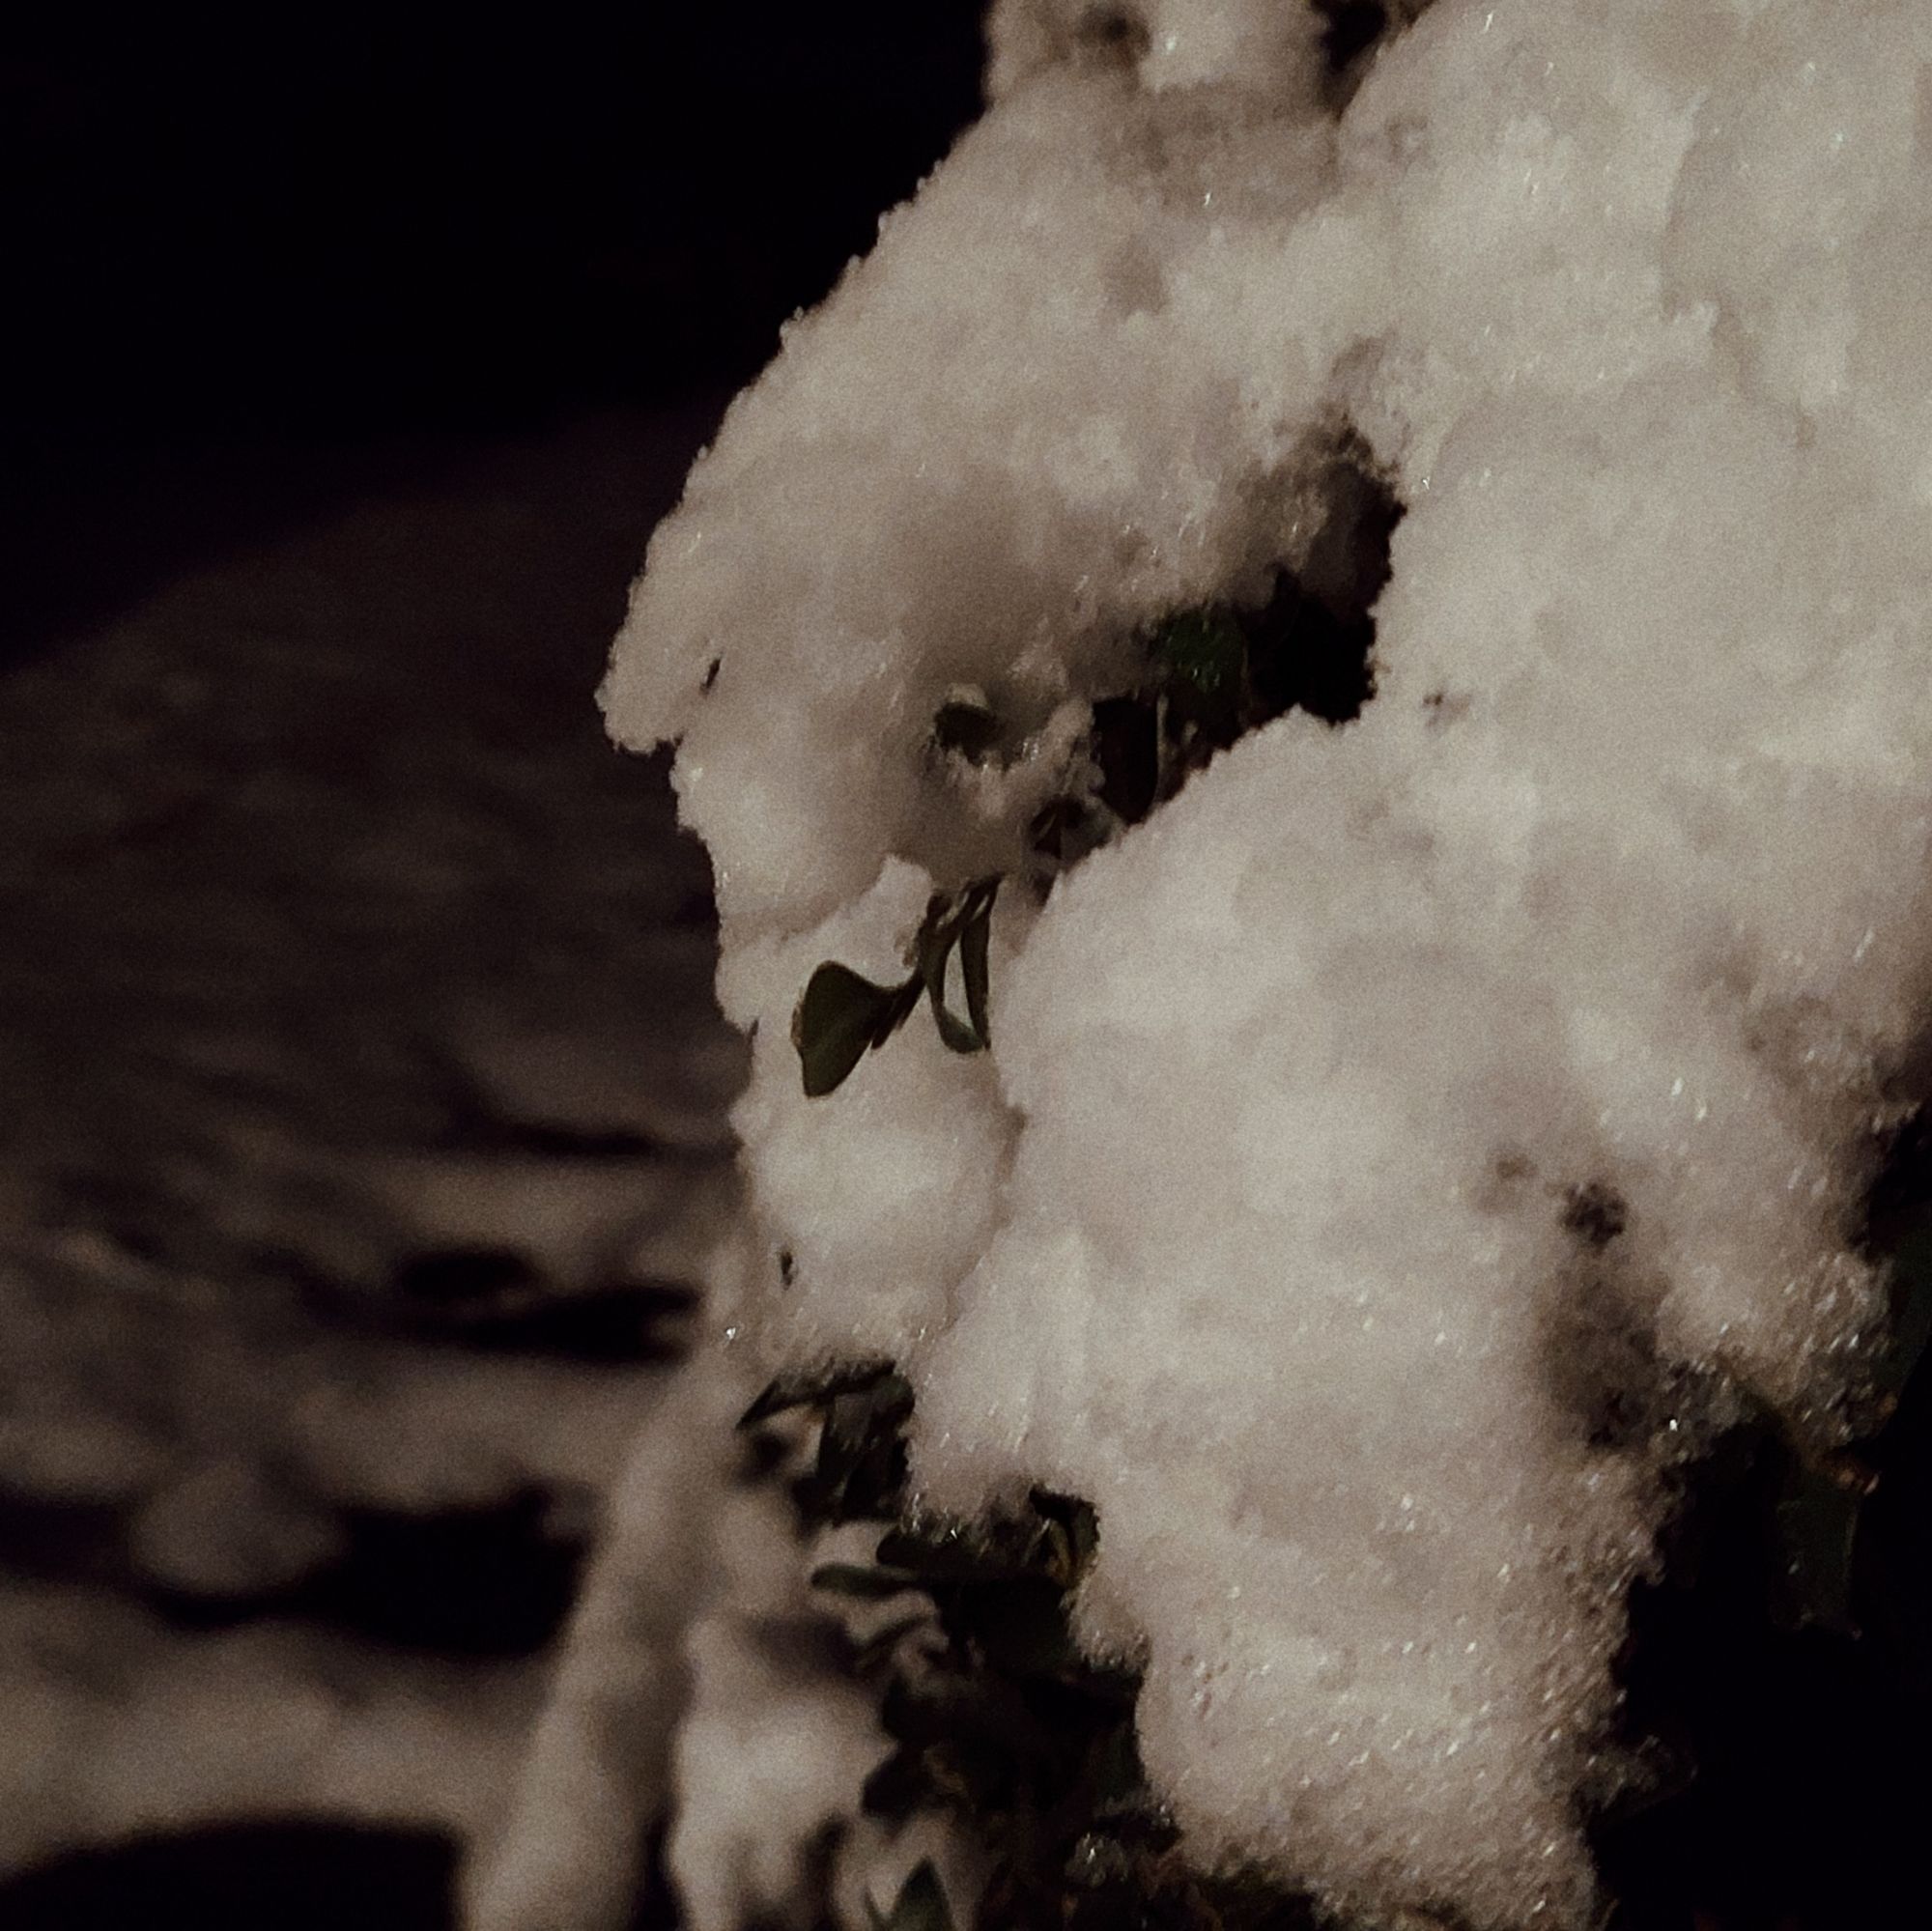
841	1018
973	941
1021	1625
798	1391
945	1555
772	1399
878	1647
852	1578
950	922
1202	656
1074	1534
1126	747
1098	1860
862	1451
958	1036
1067	829
934	941
1115	1768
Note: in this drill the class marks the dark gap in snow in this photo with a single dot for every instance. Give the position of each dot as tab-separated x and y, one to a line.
1902	1187
1602	1366
1595	1212
1126	746
1781	1668
1787	1779
655	1906
496	1581
1314	640
294	1875
1115	32
1351	27
1210	676
1309	658
1353	34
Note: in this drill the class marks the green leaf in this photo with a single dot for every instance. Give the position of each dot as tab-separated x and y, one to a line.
938	934
862	1451
1203	656
840	1019
855	1579
973	941
1071	1534
945	1555
1022	1628
962	923
798	1391
958	1036
1115	1767
878	1647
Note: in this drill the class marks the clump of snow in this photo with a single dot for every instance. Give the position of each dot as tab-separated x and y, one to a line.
1393	1151
569	1850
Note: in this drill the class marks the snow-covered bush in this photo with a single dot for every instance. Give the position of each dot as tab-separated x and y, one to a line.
1406	1141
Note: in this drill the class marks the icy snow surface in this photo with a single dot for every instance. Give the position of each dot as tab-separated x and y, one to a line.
1258	1226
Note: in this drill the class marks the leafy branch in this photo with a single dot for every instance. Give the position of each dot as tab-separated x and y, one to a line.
1211	676
995	1715
843	1015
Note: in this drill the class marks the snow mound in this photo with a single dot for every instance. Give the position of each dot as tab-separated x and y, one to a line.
1393	1149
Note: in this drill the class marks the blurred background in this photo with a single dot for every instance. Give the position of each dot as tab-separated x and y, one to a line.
361	1097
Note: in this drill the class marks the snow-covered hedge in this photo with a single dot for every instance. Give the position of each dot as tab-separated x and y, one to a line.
1400	1145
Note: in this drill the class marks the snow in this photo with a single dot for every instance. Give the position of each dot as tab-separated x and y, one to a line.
1258	1226
121	1726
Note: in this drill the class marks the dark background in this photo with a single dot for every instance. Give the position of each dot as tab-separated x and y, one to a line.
246	250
